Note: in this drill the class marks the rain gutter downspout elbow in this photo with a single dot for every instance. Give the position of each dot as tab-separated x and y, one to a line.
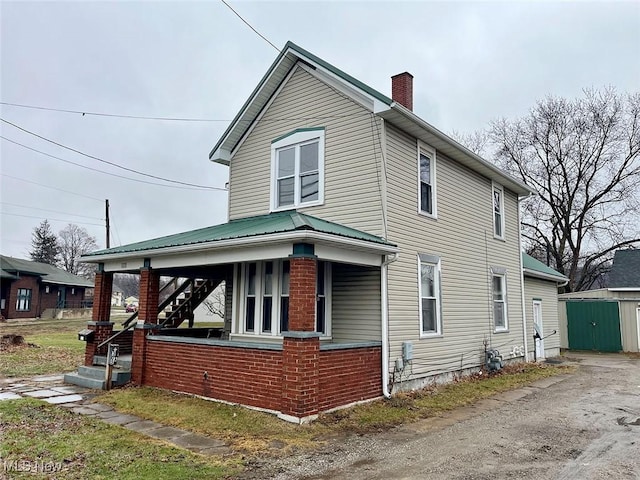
384	301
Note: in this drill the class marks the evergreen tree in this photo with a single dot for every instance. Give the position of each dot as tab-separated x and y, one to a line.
44	244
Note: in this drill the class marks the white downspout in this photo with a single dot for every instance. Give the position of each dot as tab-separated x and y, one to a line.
524	310
385	324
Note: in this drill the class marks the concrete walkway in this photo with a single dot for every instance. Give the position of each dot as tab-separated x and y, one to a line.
79	400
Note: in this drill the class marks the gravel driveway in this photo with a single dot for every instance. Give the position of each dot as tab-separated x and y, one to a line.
586	426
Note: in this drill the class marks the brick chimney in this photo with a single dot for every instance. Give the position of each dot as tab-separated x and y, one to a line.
402	89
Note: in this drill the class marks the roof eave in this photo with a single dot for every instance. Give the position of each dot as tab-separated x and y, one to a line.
296	235
72	284
463	154
545	276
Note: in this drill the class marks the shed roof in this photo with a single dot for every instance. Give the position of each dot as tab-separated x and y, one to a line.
625	272
10	267
279	222
535	268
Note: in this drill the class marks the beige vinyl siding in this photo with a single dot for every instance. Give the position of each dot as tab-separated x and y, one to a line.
352	159
547	292
462	237
355	303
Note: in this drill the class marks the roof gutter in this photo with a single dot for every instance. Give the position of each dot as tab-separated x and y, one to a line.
561	281
245	241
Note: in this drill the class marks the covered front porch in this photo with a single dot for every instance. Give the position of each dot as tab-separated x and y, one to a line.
302	314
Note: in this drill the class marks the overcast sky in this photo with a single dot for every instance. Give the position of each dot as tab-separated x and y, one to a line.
472	62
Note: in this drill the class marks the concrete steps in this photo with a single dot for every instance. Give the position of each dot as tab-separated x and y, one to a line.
93	377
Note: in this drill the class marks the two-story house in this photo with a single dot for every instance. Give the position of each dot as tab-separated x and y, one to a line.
365	252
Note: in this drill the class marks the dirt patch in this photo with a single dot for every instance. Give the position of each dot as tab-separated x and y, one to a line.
12	342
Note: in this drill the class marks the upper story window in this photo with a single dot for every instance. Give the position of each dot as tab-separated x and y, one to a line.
499	294
266	298
297	169
427	181
23	302
430	301
498	211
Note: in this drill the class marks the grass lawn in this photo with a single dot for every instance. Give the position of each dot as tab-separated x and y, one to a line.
249	431
55	346
77	447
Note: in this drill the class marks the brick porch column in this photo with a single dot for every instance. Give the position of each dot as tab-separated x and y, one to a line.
101	315
147	321
301	344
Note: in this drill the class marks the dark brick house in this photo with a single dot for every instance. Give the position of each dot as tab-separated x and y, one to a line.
29	289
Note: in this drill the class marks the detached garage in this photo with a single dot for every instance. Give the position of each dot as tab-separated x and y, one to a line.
607	319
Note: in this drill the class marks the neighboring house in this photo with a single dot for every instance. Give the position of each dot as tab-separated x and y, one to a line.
541	302
366	252
606	319
131	300
32	289
117	295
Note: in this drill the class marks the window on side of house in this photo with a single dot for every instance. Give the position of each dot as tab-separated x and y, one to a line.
427	181
23	302
297	169
498	211
429	279
499	293
266	298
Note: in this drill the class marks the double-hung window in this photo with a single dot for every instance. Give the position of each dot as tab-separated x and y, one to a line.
23	302
297	169
499	287
427	181
266	298
430	295
498	211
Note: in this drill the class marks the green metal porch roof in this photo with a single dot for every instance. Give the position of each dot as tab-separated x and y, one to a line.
535	266
280	222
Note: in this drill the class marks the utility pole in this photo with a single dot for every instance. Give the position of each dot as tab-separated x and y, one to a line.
106	206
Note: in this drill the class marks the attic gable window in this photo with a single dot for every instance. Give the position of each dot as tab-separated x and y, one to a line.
297	169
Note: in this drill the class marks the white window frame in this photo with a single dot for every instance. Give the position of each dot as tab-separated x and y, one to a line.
498	188
431	153
437	281
23	300
275	333
296	139
502	274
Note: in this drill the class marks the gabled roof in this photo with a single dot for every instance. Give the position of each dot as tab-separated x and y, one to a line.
262	225
13	267
382	105
535	268
625	271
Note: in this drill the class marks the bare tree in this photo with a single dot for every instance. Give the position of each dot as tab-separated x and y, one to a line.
215	302
582	156
74	242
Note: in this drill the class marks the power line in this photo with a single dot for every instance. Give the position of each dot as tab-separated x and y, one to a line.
250	26
95	169
52	188
52	219
108	162
178	119
47	210
101	114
